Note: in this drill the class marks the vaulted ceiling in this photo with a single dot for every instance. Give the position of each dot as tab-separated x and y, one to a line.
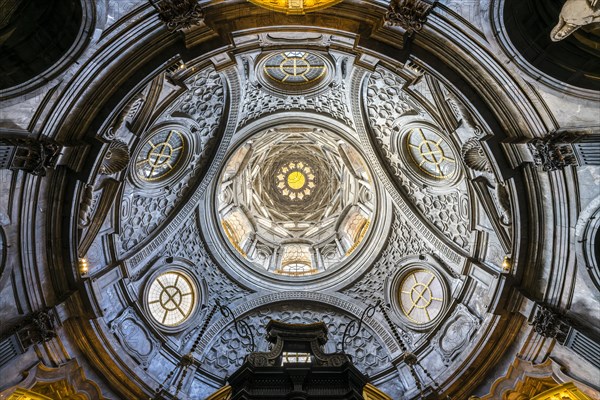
302	165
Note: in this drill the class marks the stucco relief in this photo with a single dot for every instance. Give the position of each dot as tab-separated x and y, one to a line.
188	244
389	109
143	211
135	337
226	353
257	103
403	241
456	333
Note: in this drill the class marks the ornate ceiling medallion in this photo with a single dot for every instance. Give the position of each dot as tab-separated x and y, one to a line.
296	180
295	6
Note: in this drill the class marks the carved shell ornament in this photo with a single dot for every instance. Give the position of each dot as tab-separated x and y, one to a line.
474	157
116	158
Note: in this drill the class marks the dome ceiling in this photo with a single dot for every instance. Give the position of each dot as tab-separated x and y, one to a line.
358	189
300	173
295	201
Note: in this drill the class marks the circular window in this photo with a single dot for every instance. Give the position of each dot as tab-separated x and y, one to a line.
160	155
290	71
420	296
171	298
295	67
430	153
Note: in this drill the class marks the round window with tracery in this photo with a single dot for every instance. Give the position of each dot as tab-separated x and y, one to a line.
421	296
171	298
432	155
160	155
295	68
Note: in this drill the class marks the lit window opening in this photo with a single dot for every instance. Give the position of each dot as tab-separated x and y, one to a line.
290	357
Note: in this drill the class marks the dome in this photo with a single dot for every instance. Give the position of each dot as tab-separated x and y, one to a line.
295	201
417	177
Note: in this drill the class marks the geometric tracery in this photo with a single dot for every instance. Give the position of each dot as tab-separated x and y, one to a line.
171	298
431	153
160	155
421	296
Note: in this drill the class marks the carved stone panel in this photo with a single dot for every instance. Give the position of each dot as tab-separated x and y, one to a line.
226	353
456	333
394	118
135	338
403	241
173	157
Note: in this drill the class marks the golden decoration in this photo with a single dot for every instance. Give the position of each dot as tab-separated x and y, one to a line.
371	392
233	238
296	180
566	391
295	6
361	234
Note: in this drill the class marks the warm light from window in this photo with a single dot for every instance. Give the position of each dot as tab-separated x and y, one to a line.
293	357
84	266
506	264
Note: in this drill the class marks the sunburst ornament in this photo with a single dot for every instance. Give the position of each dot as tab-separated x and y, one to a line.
296	180
295	6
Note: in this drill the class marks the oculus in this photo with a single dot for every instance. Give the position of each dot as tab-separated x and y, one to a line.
296	180
295	201
171	298
295	67
160	155
421	296
290	71
430	153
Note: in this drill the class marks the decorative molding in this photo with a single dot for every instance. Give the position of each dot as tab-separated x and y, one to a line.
474	157
116	158
553	151
32	156
68	381
178	14
135	338
145	205
408	14
403	106
222	351
183	215
550	324
331	101
456	333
